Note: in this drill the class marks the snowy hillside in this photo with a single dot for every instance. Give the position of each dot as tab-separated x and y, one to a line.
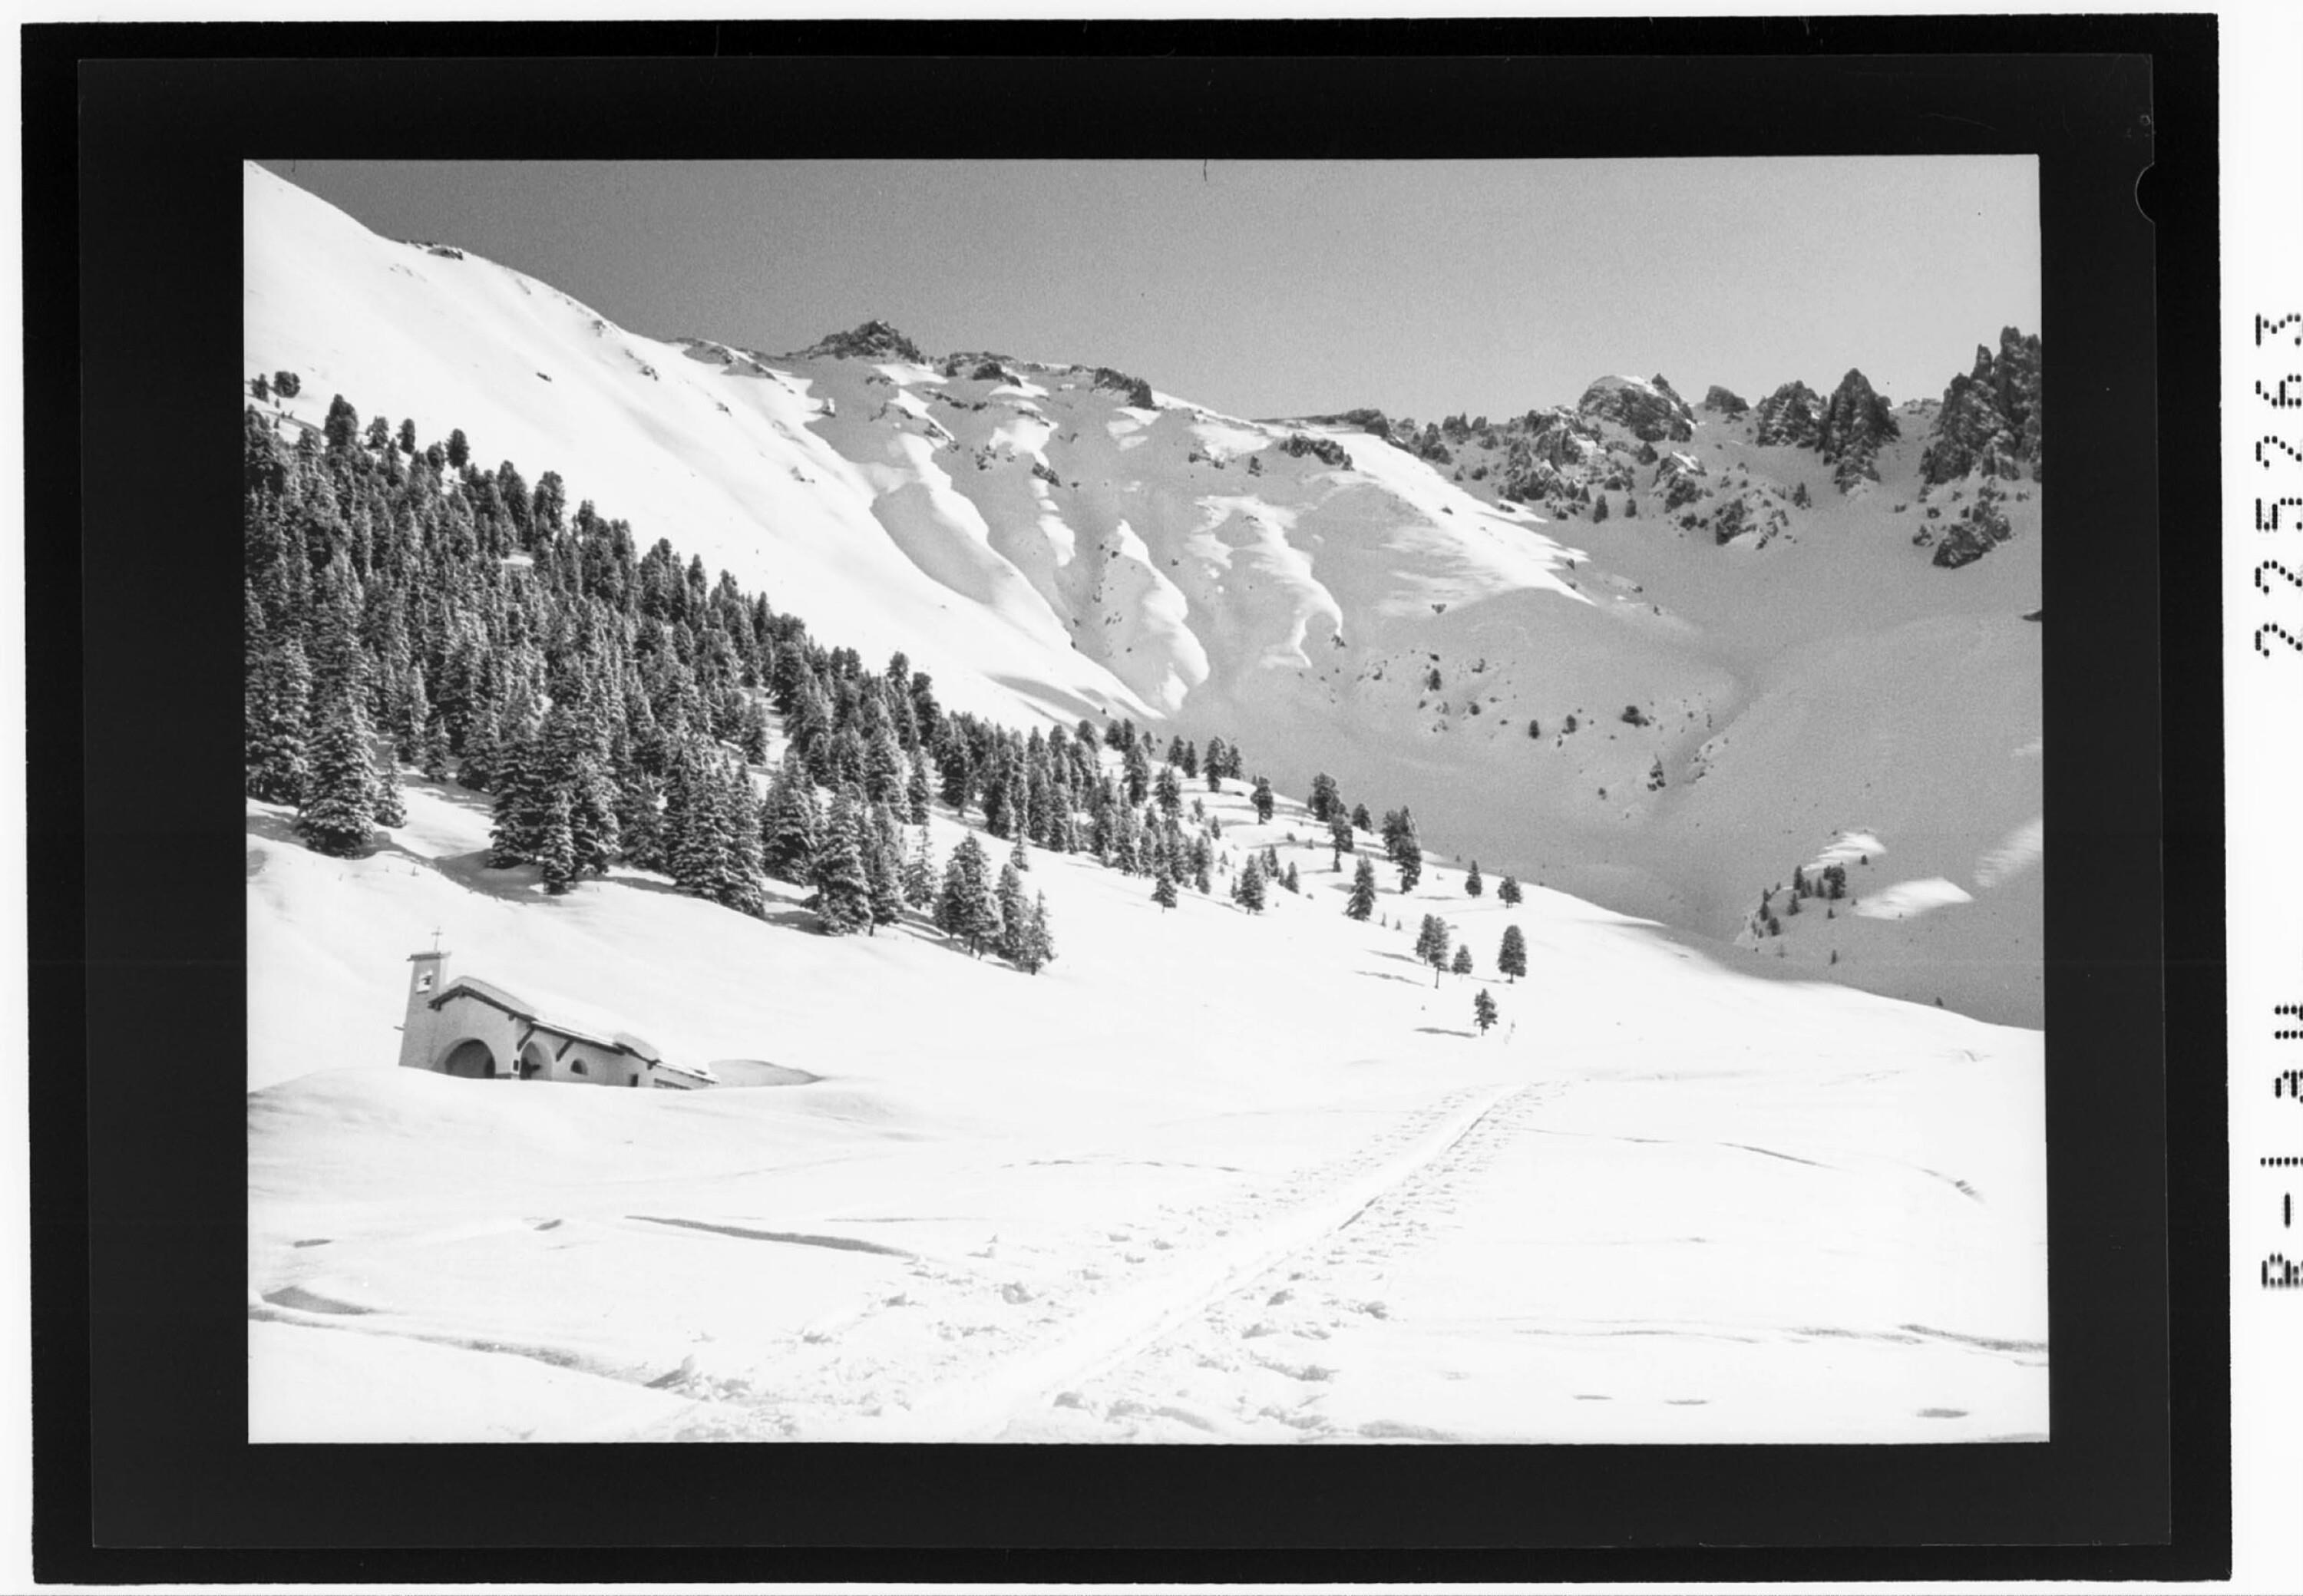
1052	545
1211	1176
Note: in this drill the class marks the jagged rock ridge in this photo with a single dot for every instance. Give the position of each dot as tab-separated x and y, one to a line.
1792	415
1855	423
1650	410
1991	420
873	340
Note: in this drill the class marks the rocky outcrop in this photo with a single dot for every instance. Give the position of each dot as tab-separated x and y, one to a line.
1793	414
1726	403
1137	391
1326	451
873	340
1647	409
1991	420
1855	422
1678	478
1981	527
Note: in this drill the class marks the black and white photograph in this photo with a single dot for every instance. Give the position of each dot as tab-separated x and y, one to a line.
1265	802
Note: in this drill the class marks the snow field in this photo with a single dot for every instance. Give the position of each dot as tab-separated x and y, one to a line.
1024	1208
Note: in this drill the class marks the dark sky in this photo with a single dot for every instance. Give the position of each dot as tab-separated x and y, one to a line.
1277	288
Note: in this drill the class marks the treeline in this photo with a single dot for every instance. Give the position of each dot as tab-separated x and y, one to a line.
405	606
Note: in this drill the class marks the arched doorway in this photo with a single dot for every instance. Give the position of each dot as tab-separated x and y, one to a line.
470	1058
534	1063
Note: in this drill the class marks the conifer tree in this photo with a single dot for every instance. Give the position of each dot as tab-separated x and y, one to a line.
1360	904
432	757
920	873
843	901
1410	870
521	797
1508	891
737	813
1400	839
1431	945
1015	935
1340	839
280	720
1473	885
883	866
1512	959
1289	881
1247	889
476	769
1019	855
789	823
884	775
640	821
1163	888
1461	963
1326	803
411	711
916	791
1037	948
338	796
1169	790
1483	1010
965	908
555	847
1262	799
751	736
1361	821
391	810
1202	861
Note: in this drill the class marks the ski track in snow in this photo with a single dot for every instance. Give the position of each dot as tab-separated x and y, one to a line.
1090	1322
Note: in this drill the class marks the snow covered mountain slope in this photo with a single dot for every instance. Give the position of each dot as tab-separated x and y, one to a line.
1048	545
1211	1176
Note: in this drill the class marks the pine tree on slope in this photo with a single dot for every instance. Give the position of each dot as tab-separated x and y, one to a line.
279	719
1248	889
883	867
1508	891
965	909
1483	1010
789	823
555	846
1014	936
843	890
1431	945
1512	959
1473	885
1040	946
390	809
339	791
920	875
1360	904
